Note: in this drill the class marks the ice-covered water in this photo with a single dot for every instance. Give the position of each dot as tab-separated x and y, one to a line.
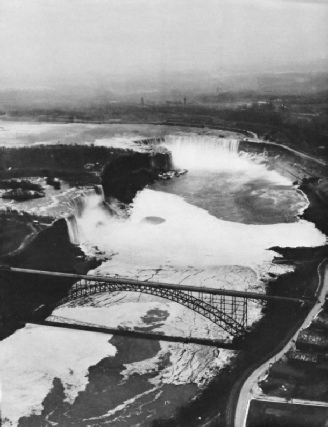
16	133
231	186
193	245
31	358
190	236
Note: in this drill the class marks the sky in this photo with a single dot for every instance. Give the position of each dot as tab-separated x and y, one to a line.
46	41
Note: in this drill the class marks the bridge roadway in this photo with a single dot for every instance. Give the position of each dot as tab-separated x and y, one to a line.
122	280
228	309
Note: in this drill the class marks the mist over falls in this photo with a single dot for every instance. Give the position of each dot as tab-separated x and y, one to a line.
204	225
229	184
201	152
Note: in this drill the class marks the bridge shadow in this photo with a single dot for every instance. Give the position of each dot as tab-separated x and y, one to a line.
137	334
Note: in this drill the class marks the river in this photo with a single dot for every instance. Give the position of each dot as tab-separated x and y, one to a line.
211	227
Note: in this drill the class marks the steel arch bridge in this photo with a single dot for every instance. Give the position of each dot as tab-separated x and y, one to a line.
228	312
226	308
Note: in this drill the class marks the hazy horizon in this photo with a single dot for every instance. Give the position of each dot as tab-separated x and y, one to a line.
49	43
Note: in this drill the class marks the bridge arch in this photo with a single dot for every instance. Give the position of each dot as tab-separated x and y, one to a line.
231	315
226	308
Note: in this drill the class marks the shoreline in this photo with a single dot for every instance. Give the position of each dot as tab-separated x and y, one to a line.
295	250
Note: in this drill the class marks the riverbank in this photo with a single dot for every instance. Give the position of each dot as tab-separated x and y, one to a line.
316	212
244	390
204	406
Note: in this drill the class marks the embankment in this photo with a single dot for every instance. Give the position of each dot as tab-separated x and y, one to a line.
21	298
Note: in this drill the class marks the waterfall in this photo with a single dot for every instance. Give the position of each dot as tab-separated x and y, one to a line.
88	205
88	197
73	230
99	190
78	204
201	151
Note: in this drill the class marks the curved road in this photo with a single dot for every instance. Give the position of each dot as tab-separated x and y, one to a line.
243	391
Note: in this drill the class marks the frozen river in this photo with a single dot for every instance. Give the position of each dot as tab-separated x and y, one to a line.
214	228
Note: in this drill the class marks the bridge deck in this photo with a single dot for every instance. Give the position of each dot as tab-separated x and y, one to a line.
121	280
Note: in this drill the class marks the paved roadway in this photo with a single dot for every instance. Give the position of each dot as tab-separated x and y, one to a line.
248	390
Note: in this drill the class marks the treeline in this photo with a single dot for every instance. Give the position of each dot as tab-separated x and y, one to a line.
71	157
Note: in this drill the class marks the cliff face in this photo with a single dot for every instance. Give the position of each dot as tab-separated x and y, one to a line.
122	178
24	296
50	250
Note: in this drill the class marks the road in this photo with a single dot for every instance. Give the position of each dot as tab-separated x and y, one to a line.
275	399
248	390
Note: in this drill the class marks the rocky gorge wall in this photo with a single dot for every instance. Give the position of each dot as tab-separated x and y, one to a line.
286	160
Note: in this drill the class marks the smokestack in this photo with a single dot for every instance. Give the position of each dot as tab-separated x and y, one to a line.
185	101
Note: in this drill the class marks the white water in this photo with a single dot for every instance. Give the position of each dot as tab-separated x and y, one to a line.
202	152
210	153
190	236
191	247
